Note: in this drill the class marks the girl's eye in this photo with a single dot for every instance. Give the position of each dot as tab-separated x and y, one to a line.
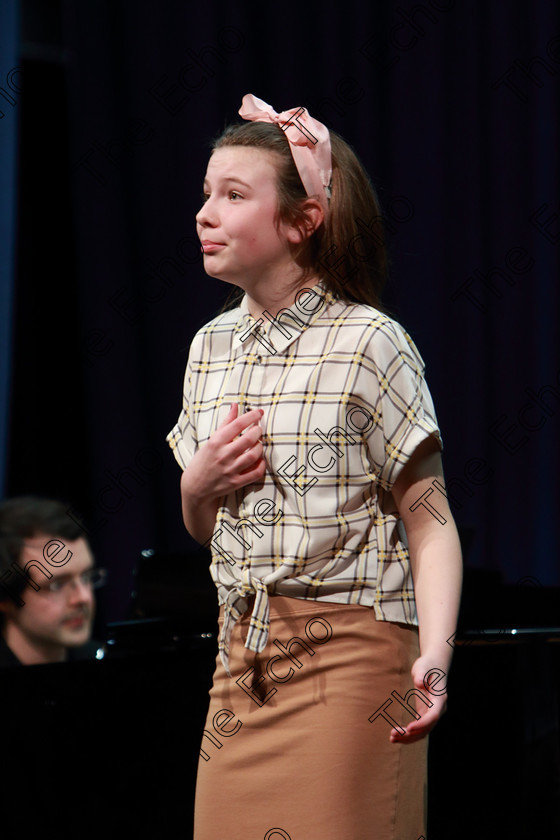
233	194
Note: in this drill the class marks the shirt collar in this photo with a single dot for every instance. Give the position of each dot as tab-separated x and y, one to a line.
273	335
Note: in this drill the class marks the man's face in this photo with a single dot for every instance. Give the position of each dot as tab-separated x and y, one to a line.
51	619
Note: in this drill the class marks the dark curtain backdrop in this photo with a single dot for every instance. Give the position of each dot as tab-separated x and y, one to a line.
453	108
10	91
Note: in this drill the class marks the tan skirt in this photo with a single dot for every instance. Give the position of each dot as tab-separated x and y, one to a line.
289	751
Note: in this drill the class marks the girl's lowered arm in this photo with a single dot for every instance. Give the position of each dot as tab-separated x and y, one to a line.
435	557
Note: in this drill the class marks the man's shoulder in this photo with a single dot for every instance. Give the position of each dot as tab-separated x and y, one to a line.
89	651
8	659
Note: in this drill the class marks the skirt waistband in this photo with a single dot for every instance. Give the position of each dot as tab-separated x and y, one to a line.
285	605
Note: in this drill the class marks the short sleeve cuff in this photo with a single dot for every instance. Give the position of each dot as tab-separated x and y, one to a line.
400	454
177	444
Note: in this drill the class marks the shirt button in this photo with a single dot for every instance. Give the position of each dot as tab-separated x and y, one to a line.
259	359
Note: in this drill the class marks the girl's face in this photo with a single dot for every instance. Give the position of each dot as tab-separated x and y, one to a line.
236	224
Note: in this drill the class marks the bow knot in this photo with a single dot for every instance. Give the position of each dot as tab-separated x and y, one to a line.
309	142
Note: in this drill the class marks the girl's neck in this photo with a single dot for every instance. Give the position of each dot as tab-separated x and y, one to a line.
275	299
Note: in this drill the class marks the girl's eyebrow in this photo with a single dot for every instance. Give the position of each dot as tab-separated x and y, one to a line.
231	180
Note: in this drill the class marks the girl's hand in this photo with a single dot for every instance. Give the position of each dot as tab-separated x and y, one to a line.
231	458
431	681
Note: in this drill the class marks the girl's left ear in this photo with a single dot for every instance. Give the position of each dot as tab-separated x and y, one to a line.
312	216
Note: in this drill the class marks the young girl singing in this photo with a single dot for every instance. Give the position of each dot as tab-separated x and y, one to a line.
311	465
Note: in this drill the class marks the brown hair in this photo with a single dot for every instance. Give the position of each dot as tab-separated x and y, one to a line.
25	517
335	251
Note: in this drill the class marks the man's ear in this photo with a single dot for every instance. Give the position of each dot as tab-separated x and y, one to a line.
7	609
312	216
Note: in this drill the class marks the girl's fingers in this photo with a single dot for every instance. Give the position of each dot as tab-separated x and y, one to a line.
245	442
234	425
234	457
249	459
253	473
417	729
231	415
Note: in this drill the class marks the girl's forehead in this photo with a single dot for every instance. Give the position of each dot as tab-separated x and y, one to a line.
235	160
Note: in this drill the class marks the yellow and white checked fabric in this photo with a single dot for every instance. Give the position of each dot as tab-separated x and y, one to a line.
345	406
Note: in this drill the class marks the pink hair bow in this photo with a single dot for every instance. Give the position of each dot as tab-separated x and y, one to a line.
309	141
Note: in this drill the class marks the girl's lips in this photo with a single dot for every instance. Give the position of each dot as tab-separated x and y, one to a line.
208	246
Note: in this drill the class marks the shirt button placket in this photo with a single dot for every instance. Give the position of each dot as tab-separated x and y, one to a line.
257	379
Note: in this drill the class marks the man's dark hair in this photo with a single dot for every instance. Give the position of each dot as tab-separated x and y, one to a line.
25	517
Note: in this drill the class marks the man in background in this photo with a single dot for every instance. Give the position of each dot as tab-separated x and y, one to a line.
47	578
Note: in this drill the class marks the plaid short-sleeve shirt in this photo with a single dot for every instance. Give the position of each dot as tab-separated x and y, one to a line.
345	406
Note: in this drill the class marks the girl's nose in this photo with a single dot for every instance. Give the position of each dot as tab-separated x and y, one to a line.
206	214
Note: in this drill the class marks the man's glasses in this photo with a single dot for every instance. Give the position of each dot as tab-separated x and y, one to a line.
92	578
